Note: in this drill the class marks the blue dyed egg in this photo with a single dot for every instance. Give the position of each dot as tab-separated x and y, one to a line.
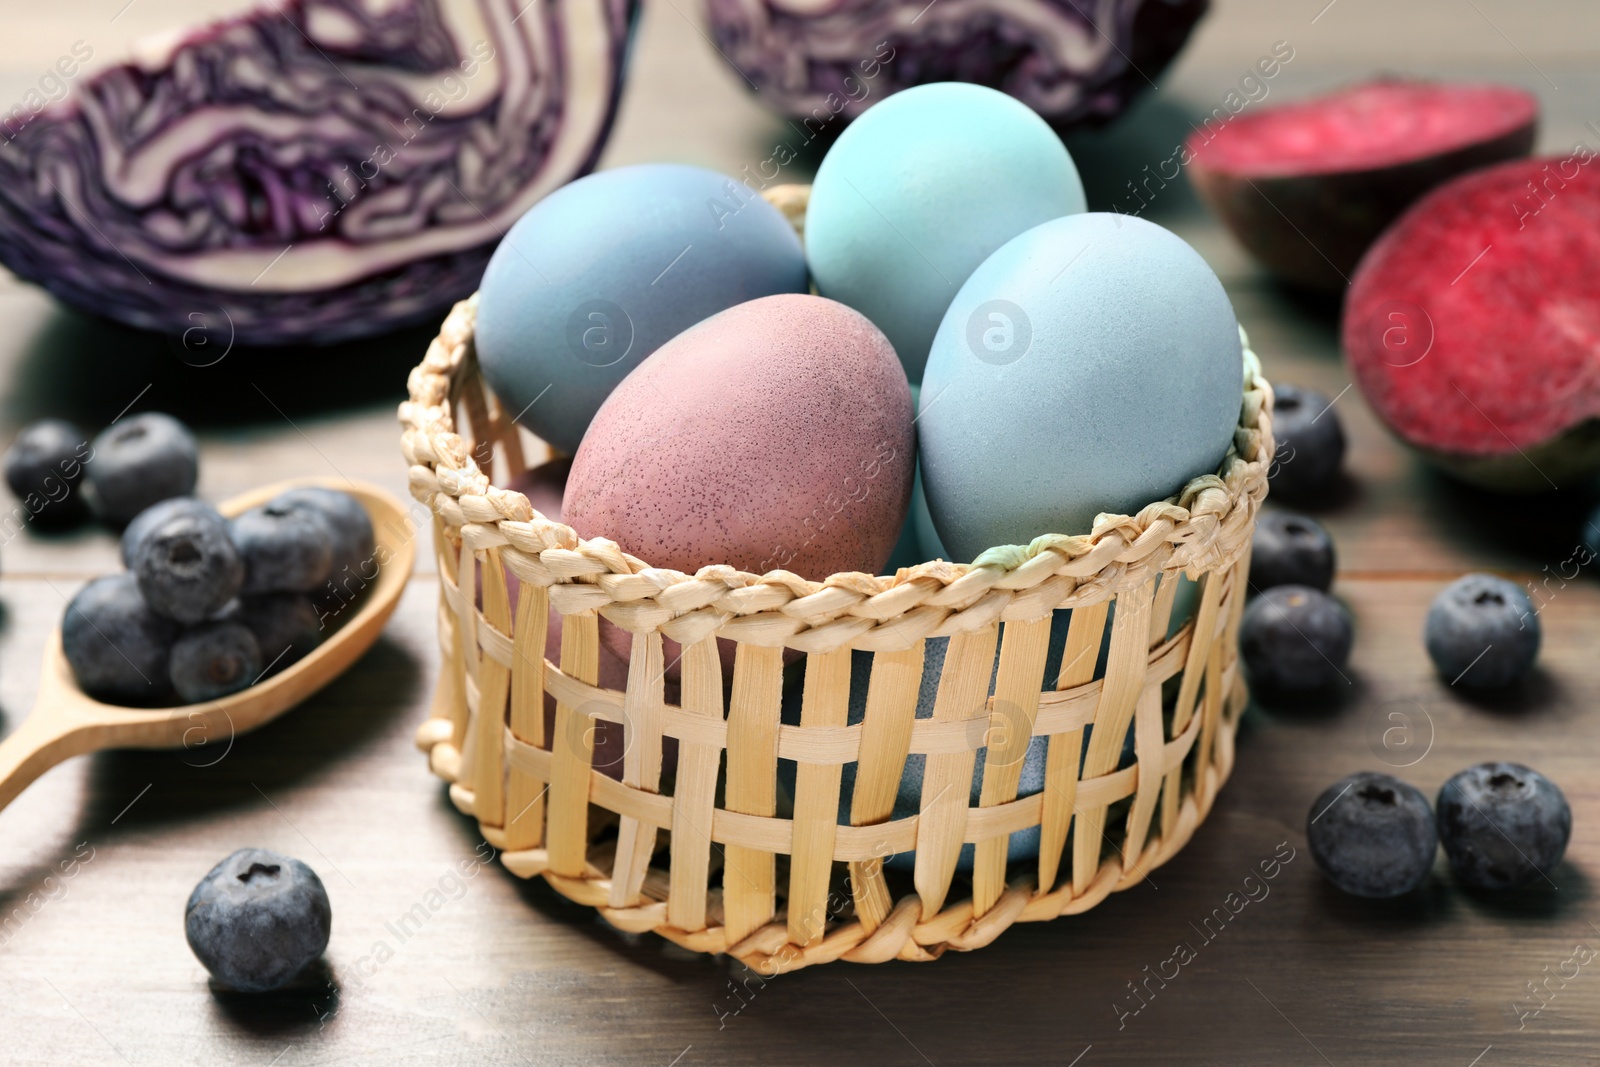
920	190
918	543
1091	365
908	797
602	272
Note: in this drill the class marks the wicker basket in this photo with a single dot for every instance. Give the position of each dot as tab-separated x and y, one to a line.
711	859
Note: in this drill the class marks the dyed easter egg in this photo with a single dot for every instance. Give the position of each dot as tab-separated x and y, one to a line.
1092	364
918	543
908	797
605	270
920	190
776	435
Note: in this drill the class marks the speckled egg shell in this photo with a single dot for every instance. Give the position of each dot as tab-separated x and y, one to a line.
605	270
918	191
776	435
1091	365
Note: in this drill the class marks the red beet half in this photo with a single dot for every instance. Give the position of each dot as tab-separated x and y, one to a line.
1075	63
1308	186
1473	325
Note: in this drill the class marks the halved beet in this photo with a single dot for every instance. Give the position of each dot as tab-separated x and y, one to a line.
313	170
1473	325
1074	62
1308	186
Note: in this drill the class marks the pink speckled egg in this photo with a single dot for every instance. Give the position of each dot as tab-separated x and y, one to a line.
774	435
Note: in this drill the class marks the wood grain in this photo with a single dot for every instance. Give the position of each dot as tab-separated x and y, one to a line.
440	956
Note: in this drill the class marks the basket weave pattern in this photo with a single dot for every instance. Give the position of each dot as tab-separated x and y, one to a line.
708	857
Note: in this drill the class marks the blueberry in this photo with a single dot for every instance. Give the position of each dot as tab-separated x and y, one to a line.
1482	632
1310	442
1502	825
1372	835
188	569
117	647
1589	537
214	659
44	466
354	563
286	626
140	461
285	549
156	514
1294	638
1290	549
257	919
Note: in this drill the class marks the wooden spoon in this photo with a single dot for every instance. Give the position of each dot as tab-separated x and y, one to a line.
66	722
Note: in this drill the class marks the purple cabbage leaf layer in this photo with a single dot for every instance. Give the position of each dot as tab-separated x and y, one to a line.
320	171
1076	62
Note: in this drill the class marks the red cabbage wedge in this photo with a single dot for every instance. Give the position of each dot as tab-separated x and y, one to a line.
1076	62
314	171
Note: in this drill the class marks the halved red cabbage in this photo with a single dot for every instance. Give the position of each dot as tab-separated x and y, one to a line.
1076	62
316	171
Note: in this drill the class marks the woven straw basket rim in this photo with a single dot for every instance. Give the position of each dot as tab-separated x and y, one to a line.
502	767
1206	526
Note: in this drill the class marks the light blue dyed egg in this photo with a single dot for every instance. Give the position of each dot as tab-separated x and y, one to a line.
602	272
1024	845
908	798
920	190
1090	365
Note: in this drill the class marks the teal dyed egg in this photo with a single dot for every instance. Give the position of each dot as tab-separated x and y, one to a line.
1092	364
920	190
602	272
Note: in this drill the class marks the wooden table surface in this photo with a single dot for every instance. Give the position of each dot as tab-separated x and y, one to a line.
97	858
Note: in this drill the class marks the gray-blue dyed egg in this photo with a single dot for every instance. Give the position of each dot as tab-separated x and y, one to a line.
602	272
918	543
1091	364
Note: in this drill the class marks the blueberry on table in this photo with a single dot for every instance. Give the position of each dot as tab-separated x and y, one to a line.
286	626
1482	632
350	527
257	919
1372	835
1310	442
1502	825
188	569
1295	639
1290	549
44	467
214	659
139	461
135	532
117	647
285	549
1589	537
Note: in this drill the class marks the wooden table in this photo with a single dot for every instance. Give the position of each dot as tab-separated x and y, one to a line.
97	858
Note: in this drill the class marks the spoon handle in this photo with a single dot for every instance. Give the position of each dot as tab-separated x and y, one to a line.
41	742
